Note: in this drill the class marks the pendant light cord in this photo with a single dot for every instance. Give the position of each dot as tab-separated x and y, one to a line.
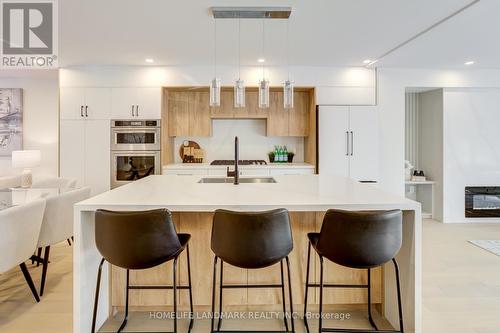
288	48
215	48
239	48
263	54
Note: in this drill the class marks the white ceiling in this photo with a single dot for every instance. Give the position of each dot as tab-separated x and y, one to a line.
322	32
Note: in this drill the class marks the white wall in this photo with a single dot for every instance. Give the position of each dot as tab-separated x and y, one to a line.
254	144
471	146
392	83
430	145
40	116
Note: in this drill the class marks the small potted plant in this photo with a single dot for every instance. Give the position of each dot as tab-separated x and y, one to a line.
271	156
290	156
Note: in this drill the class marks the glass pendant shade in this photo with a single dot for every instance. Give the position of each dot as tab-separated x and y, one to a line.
239	94
215	92
263	93
288	94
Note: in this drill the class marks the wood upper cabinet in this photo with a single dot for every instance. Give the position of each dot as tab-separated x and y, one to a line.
226	109
298	117
288	122
188	113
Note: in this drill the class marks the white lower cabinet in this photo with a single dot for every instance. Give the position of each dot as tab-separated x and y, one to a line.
254	172
291	171
186	171
245	172
85	153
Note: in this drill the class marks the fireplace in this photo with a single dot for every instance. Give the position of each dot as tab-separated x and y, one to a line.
482	201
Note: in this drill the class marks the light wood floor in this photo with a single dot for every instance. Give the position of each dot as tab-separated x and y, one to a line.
461	286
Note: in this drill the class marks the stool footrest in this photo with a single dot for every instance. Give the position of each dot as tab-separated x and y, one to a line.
316	285
157	287
229	331
229	286
353	330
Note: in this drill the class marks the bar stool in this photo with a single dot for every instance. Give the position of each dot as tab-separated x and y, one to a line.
251	241
363	240
140	240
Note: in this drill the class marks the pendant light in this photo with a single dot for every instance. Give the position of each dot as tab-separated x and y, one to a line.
263	84
288	85
239	85
215	83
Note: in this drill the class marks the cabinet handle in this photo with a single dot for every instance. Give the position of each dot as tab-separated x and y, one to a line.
81	110
86	110
137	110
132	110
352	143
346	143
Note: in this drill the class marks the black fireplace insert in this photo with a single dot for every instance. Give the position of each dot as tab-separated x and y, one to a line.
482	201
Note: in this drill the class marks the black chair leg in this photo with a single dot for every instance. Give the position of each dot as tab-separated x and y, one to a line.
125	320
370	318
283	295
212	326
219	324
307	287
400	307
28	279
39	255
290	293
191	322
44	268
96	299
69	242
320	324
174	291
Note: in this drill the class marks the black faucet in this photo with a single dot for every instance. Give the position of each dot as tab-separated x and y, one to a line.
236	172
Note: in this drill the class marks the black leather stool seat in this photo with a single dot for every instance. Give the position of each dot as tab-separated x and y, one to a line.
251	240
140	240
359	240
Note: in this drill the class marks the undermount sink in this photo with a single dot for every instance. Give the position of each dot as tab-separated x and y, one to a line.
230	180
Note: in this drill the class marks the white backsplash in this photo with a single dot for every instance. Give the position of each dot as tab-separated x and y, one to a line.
254	144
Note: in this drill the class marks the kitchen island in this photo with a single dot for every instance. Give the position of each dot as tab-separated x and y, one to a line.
307	197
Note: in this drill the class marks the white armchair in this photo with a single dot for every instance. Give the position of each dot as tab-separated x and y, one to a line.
19	231
57	223
54	182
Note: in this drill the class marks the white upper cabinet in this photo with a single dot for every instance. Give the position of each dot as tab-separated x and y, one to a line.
136	103
346	95
72	102
85	103
98	103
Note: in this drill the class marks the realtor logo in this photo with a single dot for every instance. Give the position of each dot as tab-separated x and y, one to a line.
29	34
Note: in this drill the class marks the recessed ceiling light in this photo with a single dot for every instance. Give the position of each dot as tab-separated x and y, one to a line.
261	60
367	61
468	63
149	60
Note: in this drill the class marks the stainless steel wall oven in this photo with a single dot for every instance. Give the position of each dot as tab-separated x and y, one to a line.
135	150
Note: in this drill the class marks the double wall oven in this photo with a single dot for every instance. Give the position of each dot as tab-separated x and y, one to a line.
135	150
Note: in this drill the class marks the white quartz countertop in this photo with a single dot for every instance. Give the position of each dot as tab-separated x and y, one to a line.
294	192
268	165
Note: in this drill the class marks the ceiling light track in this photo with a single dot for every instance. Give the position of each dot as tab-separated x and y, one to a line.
438	23
251	12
